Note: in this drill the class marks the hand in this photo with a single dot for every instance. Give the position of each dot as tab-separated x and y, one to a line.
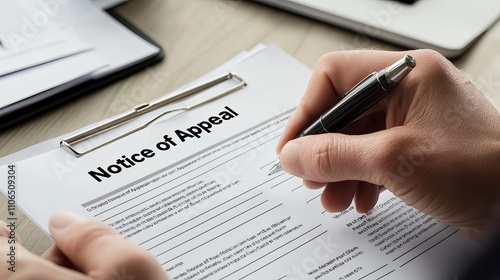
434	142
83	250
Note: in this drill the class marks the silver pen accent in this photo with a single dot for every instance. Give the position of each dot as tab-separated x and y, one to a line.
357	101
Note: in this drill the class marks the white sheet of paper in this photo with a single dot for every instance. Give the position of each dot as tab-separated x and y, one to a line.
113	48
56	75
95	28
31	36
110	39
194	191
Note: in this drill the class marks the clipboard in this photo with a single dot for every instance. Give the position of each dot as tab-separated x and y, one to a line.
43	101
144	108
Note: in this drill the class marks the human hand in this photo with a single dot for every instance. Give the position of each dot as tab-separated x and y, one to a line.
83	250
434	142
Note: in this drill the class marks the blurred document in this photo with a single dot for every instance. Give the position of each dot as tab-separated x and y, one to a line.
55	76
193	190
89	26
32	35
59	44
110	39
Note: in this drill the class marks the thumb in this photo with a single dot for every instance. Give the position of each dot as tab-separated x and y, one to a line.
98	251
338	157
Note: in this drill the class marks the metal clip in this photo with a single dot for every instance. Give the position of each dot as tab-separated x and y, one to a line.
141	109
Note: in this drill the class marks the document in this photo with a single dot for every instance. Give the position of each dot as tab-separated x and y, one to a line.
70	42
71	71
31	36
193	190
110	39
37	32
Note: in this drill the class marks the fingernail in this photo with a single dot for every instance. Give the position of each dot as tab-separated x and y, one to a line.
62	220
290	157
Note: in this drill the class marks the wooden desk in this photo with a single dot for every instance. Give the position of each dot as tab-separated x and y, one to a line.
198	36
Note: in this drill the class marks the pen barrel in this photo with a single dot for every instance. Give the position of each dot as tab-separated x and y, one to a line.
356	102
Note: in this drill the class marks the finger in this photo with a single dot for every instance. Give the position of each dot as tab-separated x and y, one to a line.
337	157
334	74
54	255
80	239
366	197
24	265
30	266
313	185
338	196
8	231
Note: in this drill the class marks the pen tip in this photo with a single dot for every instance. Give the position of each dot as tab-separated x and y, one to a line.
276	168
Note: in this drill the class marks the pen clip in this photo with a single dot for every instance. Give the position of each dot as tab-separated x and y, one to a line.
69	142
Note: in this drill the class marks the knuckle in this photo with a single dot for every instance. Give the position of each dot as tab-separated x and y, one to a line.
320	161
391	151
326	154
434	64
325	60
325	63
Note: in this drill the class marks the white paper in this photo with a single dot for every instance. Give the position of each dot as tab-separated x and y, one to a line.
113	47
32	35
194	191
55	76
110	39
89	26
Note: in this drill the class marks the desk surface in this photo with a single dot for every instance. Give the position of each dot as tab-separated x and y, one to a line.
198	36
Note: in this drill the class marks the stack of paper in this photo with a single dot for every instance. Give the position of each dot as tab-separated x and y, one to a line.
50	46
194	191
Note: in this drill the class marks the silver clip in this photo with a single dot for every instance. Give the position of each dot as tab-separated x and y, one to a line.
148	107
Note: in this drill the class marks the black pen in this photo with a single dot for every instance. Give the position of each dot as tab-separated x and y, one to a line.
358	100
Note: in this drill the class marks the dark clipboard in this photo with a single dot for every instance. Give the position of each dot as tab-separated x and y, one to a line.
41	102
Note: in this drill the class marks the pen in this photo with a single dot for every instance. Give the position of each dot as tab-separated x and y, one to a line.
358	100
